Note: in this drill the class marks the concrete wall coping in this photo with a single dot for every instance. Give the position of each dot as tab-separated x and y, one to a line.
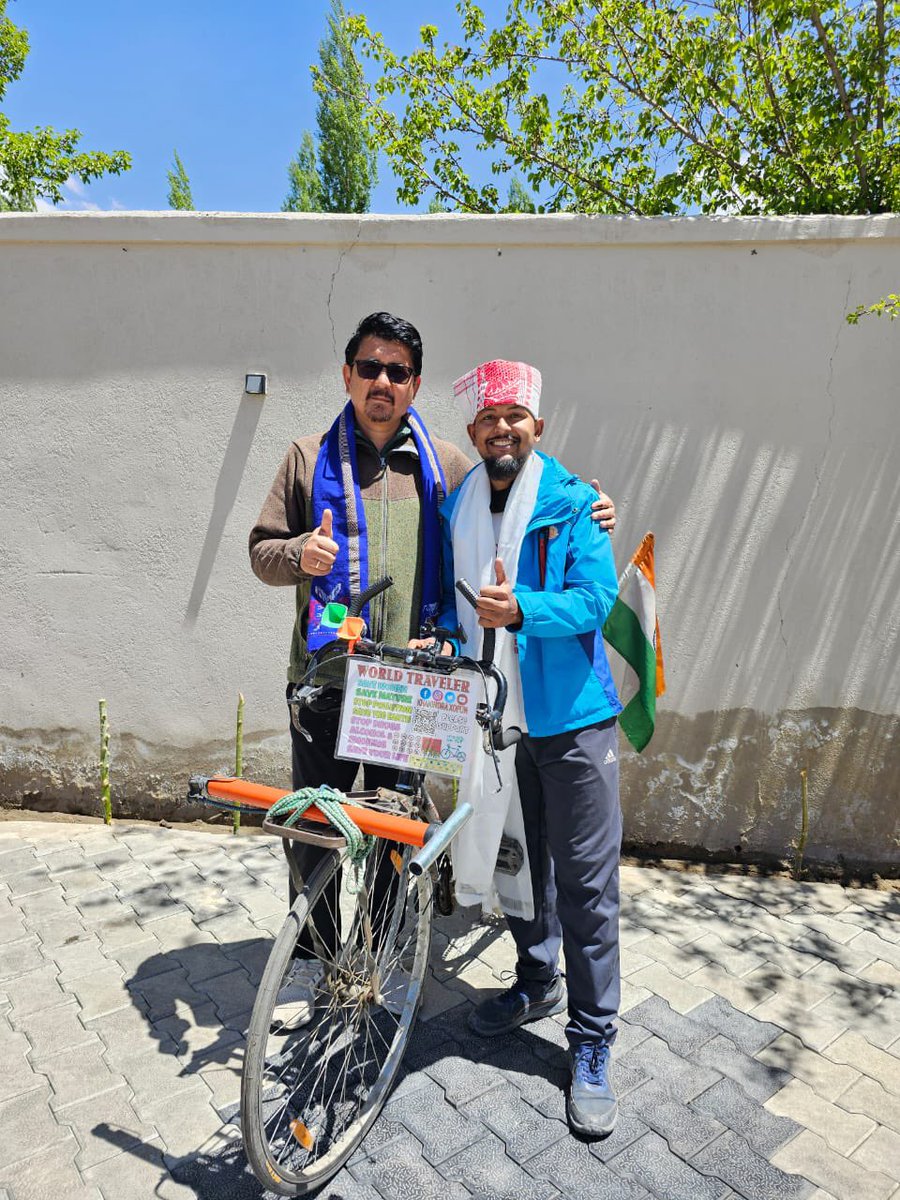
557	229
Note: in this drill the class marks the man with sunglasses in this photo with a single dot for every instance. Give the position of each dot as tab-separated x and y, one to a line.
347	507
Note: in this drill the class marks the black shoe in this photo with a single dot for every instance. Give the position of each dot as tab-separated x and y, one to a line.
593	1107
518	1005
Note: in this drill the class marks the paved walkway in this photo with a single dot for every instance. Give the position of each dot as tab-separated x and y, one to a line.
759	1054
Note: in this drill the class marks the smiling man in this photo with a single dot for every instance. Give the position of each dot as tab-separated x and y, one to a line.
519	529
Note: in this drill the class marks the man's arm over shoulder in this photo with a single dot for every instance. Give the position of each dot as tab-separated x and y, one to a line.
454	463
282	529
590	589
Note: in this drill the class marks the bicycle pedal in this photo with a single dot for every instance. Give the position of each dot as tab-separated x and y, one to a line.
510	856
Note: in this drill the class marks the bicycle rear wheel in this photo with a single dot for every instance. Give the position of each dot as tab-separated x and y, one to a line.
309	1095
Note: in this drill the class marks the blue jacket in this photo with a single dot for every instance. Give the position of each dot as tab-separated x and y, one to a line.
566	681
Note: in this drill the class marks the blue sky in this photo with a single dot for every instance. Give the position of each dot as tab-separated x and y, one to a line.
226	82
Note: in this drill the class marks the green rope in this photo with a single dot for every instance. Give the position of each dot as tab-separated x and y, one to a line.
328	801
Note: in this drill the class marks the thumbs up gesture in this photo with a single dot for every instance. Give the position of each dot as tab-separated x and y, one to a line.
497	604
320	550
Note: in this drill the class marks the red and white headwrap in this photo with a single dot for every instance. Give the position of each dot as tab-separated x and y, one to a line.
498	382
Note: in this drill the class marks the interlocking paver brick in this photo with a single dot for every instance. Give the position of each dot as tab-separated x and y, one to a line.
14	862
682	1034
100	993
48	1174
629	1128
12	928
880	1151
231	994
154	1074
462	1079
159	995
42	906
488	1172
184	1122
28	1125
629	1035
33	991
868	1097
685	1128
737	960
576	1172
20	957
77	1073
868	946
788	1053
759	1080
632	995
199	1036
398	1171
94	1120
682	994
746	1031
31	881
58	1029
731	1159
137	1175
842	1130
523	1130
78	958
682	1078
541	1083
741	993
651	1163
101	904
831	927
816	1030
18	1073
729	1103
810	1156
57	931
77	883
441	1130
854	1050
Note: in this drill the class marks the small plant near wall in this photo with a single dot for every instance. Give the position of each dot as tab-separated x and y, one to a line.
238	756
800	844
104	764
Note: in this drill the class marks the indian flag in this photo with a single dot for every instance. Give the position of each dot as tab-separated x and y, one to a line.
632	630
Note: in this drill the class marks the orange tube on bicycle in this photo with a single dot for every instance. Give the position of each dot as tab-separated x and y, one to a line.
379	824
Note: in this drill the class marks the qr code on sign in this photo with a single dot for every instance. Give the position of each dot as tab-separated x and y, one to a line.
424	721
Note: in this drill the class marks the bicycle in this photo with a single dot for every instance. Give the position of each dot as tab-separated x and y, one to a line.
309	1095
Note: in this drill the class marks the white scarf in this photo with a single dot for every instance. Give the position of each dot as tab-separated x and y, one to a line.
496	812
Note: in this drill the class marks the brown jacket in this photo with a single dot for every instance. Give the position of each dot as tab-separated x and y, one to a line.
391	490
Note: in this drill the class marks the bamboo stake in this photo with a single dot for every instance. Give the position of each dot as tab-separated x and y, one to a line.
804	826
238	757
104	764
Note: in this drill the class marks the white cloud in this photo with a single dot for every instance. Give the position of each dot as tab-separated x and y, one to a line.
75	199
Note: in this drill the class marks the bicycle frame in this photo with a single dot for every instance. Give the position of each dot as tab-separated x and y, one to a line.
431	837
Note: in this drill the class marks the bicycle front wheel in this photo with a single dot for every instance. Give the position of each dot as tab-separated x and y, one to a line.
310	1094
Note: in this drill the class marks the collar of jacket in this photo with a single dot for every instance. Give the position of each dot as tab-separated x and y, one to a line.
560	495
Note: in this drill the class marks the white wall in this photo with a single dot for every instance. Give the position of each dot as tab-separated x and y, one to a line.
702	367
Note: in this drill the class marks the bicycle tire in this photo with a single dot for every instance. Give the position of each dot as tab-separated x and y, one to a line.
309	1096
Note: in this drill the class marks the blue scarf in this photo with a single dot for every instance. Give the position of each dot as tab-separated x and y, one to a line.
336	486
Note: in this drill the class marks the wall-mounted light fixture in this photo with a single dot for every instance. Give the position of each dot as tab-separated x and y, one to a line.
255	385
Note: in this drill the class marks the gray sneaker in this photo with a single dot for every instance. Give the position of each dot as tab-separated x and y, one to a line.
296	999
593	1107
519	1004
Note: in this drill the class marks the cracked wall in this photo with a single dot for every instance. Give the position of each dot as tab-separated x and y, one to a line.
701	368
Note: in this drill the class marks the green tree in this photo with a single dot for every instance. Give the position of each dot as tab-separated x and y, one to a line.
339	174
305	194
519	199
36	165
738	106
179	186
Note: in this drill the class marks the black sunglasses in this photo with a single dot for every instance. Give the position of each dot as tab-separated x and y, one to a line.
371	368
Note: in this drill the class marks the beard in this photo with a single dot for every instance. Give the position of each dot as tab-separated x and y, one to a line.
507	467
